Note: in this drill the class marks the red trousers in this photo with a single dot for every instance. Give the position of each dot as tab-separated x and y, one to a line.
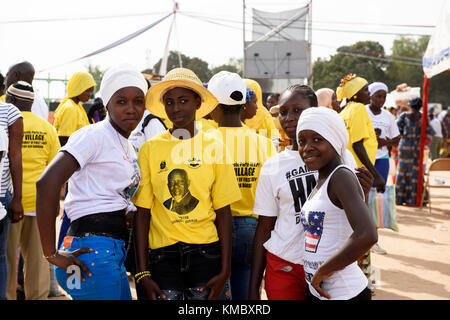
284	280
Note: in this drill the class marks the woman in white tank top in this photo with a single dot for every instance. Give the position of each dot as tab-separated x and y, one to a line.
338	227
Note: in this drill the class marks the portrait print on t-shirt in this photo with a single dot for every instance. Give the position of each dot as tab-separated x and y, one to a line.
182	201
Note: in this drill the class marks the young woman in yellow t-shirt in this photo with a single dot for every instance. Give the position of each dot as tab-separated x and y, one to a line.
184	199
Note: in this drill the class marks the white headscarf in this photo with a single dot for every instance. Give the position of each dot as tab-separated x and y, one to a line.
120	77
329	125
377	86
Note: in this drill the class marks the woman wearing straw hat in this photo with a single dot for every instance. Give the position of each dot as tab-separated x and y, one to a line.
104	176
184	198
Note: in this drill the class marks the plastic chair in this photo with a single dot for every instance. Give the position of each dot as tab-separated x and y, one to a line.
442	164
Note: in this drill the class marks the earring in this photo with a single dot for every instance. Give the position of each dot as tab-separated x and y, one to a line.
354	97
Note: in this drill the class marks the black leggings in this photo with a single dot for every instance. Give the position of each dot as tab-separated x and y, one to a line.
364	295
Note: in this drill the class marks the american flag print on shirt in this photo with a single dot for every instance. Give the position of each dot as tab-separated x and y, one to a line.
313	226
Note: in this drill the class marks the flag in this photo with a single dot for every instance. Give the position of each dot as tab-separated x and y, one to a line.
313	226
437	56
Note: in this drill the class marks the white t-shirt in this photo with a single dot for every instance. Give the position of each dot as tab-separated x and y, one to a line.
39	106
137	137
283	187
326	229
437	127
386	123
108	176
8	115
4	151
442	115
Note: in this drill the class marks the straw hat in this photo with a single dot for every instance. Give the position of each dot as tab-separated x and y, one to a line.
179	77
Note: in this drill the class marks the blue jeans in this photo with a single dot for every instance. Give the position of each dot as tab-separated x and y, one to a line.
109	280
65	224
382	166
244	229
181	269
6	200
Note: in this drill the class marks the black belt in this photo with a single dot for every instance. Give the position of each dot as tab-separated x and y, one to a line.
106	224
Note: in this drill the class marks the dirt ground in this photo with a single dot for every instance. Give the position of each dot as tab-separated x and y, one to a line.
417	263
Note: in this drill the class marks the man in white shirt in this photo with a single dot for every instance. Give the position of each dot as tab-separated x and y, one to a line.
24	71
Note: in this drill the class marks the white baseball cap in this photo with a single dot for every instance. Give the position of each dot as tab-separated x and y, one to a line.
228	88
275	109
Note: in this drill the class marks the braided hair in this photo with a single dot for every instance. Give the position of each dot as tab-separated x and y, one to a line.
305	91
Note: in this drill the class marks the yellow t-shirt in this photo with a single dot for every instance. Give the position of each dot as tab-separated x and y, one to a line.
39	145
359	127
70	117
2	98
201	124
182	183
208	124
248	151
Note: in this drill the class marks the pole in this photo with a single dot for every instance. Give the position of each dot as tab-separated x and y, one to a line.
310	43
243	38
423	131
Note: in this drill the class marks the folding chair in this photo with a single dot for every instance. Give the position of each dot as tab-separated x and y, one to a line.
442	164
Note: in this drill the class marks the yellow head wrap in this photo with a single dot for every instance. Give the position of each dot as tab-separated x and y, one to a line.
78	83
349	86
261	112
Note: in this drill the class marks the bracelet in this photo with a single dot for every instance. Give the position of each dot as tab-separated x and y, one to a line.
142	277
139	276
52	255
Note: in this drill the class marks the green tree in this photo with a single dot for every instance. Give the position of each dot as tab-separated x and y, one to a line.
97	73
233	65
402	71
412	74
365	58
197	65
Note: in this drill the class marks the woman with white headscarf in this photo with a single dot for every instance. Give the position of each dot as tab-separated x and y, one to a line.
102	168
337	224
385	127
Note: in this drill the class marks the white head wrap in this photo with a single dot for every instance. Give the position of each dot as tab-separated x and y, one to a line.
377	86
120	77
330	126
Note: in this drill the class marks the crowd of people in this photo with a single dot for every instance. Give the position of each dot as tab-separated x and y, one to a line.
199	190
